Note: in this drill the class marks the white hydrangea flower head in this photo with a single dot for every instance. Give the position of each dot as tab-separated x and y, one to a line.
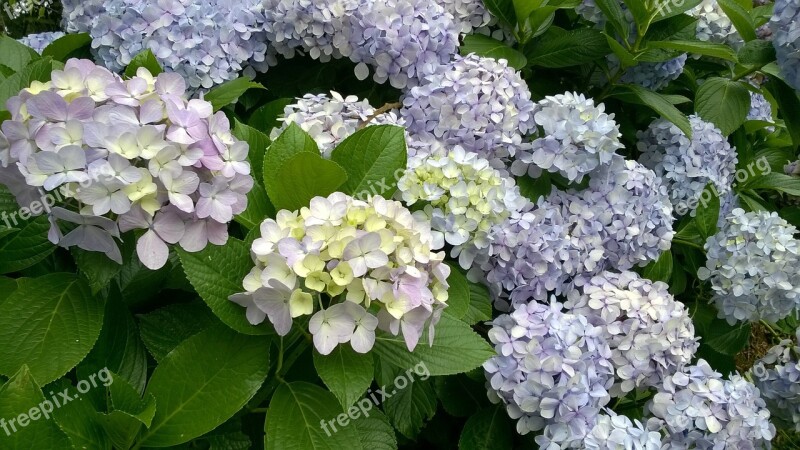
552	370
372	259
752	265
463	198
713	25
686	165
777	376
40	41
479	104
319	29
330	119
701	410
785	27
614	432
650	334
577	137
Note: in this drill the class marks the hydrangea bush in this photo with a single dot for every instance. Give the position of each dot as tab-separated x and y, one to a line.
399	224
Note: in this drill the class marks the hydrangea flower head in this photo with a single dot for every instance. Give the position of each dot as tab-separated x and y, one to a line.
372	261
77	15
552	370
403	40
703	411
329	119
463	198
651	335
208	42
785	26
752	265
777	376
613	431
134	150
319	29
760	108
477	103
713	25
686	165
40	41
471	14
577	137
655	75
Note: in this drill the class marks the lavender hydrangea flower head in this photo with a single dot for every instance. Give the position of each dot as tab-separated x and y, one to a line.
752	265
329	119
760	108
77	15
686	165
477	103
133	148
651	335
589	10
655	75
463	198
319	29
552	370
471	14
785	26
702	411
40	41
777	376
713	25
207	42
372	259
577	137
613	432
403	40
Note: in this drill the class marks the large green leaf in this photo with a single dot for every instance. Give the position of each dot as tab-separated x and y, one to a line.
128	413
38	70
724	103
458	298
658	103
49	323
410	404
303	416
78	417
19	396
257	143
230	91
488	429
373	158
698	48
14	55
291	142
460	395
163	329
258	208
774	181
216	273
707	215
96	267
347	374
575	47
375	431
492	48
480	304
456	348
26	247
203	382
63	47
661	269
789	106
303	177
144	59
504	10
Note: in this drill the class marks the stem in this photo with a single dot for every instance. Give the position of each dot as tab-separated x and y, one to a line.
769	327
379	111
611	83
746	73
279	366
688	243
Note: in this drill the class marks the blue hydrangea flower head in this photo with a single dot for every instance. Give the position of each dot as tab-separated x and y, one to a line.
777	376
655	75
785	26
40	41
319	29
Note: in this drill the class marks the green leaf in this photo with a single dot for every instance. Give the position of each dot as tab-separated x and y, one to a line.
573	48
612	9
668	9
503	10
727	339
661	269
119	348
347	374
128	413
458	299
534	189
78	417
203	382
488	429
640	11
789	106
708	212
627	58
96	267
460	395
63	47
373	158
7	287
409	407
480	304
258	208
697	47
265	117
724	103
163	329
456	348
257	143
230	91
216	273
144	59
776	182
14	55
492	48
20	396
658	103
303	177
49	323
295	420
740	18
38	70
791	214
375	432
26	247
291	142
